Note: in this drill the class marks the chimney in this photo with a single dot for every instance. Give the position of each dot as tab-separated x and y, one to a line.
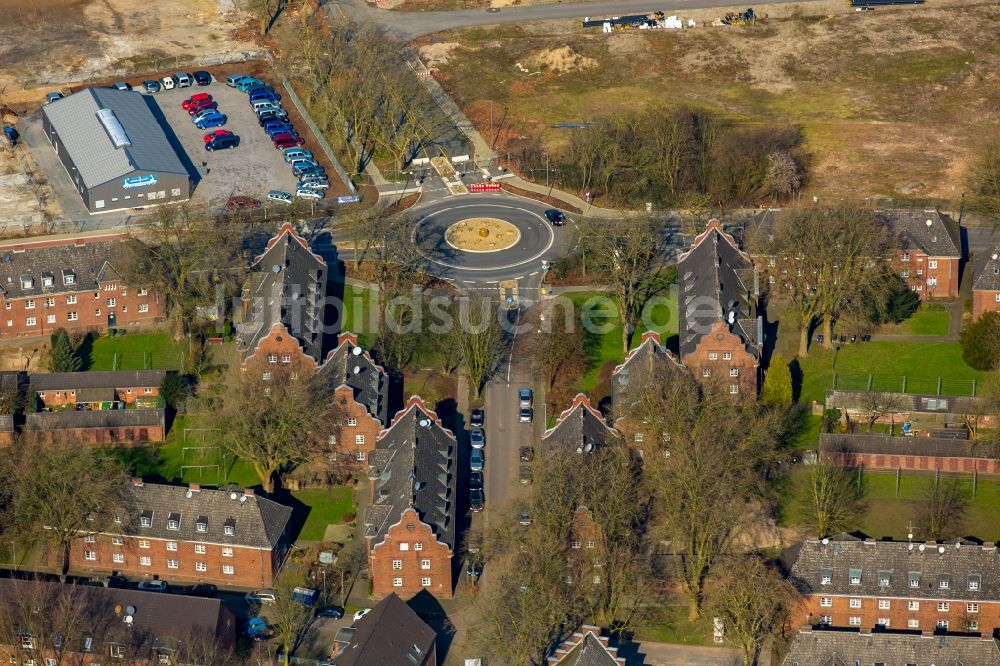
137	482
194	487
248	492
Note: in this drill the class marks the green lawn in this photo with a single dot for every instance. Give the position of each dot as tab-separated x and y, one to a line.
930	319
326	507
671	625
134	351
603	341
359	304
889	515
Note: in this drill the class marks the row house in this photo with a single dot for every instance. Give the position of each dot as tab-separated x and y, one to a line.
391	633
111	427
850	582
830	647
581	427
49	623
924	454
721	331
227	537
410	525
986	284
97	390
648	364
71	283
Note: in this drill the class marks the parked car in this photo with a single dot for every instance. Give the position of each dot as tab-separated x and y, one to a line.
257	629
223	143
477	438
267	116
336	612
205	105
524	474
260	107
477	460
476	418
524	415
195	100
263	95
303	163
473	570
295	153
121	85
305	171
214	119
477	500
315	179
279	196
155	585
202	78
151	86
242	203
524	516
556	217
248	83
261	597
527	454
361	613
306	193
234	79
201	590
314	184
116	581
168	82
201	114
288	142
277	126
475	480
216	134
52	97
524	397
183	79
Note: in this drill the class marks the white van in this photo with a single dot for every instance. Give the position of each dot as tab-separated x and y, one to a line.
168	83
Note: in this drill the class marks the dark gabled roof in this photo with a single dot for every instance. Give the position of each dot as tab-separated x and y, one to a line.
717	282
581	425
258	522
68	381
929	562
925	403
287	286
414	464
74	265
899	446
986	269
370	383
639	368
831	647
586	647
98	418
390	634
940	238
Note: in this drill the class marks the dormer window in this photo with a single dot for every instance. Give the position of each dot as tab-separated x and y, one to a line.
27	282
202	524
855	576
826	576
146	519
974	581
229	527
173	521
944	581
48	279
914	579
883	578
68	277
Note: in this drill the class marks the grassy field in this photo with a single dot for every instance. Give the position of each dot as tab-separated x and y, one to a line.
326	507
671	625
358	312
890	515
930	319
866	128
134	351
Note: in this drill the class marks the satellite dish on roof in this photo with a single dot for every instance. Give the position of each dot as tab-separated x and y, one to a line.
233	496
276	268
825	541
425	423
941	550
357	370
958	544
994	256
357	351
921	547
929	223
128	619
588	447
130	610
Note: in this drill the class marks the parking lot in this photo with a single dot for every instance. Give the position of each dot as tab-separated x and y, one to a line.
251	169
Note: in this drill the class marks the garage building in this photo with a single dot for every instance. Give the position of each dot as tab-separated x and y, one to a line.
116	150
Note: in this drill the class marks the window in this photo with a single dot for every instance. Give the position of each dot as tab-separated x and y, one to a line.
352	422
883	604
932	263
825	619
90	555
727	356
943	606
425	581
913	605
972	625
50	302
974	580
71	299
272	358
118	558
90	538
143	307
904	256
143	543
199	548
227	552
30	321
229	530
201	525
855	576
265	376
996	297
425	564
883	621
200	566
50	661
883	578
29	304
418	545
117	541
359	456
734	389
72	316
914	579
172	564
228	569
575	544
286	358
97	312
404	546
854	621
825	576
331	440
734	372
116	651
825	602
905	273
944	582
855	602
913	623
942	624
713	356
972	608
171	545
111	302
397	582
705	372
50	319
145	561
397	565
144	292
173	524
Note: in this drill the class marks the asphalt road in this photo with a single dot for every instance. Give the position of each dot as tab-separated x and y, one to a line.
415	24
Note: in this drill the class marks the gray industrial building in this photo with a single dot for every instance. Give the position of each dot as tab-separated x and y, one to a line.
116	150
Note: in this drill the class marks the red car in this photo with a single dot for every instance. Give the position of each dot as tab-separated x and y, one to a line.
287	140
241	203
203	105
196	99
216	134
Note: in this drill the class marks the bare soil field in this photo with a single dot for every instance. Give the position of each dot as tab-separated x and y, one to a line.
893	103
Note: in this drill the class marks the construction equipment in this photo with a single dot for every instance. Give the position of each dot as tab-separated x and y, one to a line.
743	18
625	22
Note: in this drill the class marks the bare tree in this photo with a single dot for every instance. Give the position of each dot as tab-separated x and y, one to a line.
393	260
984	180
877	404
833	501
289	617
752	600
559	353
783	176
480	338
941	509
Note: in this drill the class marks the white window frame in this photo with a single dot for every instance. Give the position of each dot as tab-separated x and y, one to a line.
854	621
145	561
118	558
425	581
825	602
90	555
884	604
855	602
199	549
228	569
972	607
200	567
943	606
397	581
913	605
173	564
397	565
425	565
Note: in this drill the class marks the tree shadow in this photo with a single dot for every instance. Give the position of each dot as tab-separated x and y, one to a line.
85	351
797	375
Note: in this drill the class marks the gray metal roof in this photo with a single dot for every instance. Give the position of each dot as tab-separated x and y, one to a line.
832	647
68	381
987	271
89	143
392	633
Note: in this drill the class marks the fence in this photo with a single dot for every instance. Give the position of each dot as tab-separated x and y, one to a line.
905	384
319	135
146	360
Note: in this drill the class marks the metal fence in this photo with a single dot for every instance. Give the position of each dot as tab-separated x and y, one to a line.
905	384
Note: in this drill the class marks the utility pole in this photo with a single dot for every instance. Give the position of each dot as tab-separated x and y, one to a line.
546	170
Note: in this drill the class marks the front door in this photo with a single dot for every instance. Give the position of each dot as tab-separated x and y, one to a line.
112	320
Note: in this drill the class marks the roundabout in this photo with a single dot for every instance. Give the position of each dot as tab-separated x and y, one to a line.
482	234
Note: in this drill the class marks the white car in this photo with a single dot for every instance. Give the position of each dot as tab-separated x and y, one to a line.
306	193
279	196
153	586
319	184
168	83
361	613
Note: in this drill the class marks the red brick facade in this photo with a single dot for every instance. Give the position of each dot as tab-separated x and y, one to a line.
252	567
919	463
410	560
722	358
127	395
961	615
279	347
357	431
932	278
984	301
116	436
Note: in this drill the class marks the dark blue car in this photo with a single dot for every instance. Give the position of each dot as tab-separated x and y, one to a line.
264	95
277	127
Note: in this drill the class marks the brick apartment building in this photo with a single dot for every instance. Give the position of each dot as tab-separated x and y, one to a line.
191	534
410	525
986	283
97	390
721	331
586	547
831	647
89	626
647	365
929	251
70	283
863	583
581	427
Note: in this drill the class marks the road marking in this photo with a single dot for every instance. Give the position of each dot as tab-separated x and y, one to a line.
533	274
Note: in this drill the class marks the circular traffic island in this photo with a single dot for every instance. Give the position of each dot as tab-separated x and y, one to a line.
482	234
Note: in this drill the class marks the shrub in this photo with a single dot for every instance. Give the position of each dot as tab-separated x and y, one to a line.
981	342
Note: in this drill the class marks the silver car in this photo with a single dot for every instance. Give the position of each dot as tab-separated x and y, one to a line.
306	193
317	184
279	196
